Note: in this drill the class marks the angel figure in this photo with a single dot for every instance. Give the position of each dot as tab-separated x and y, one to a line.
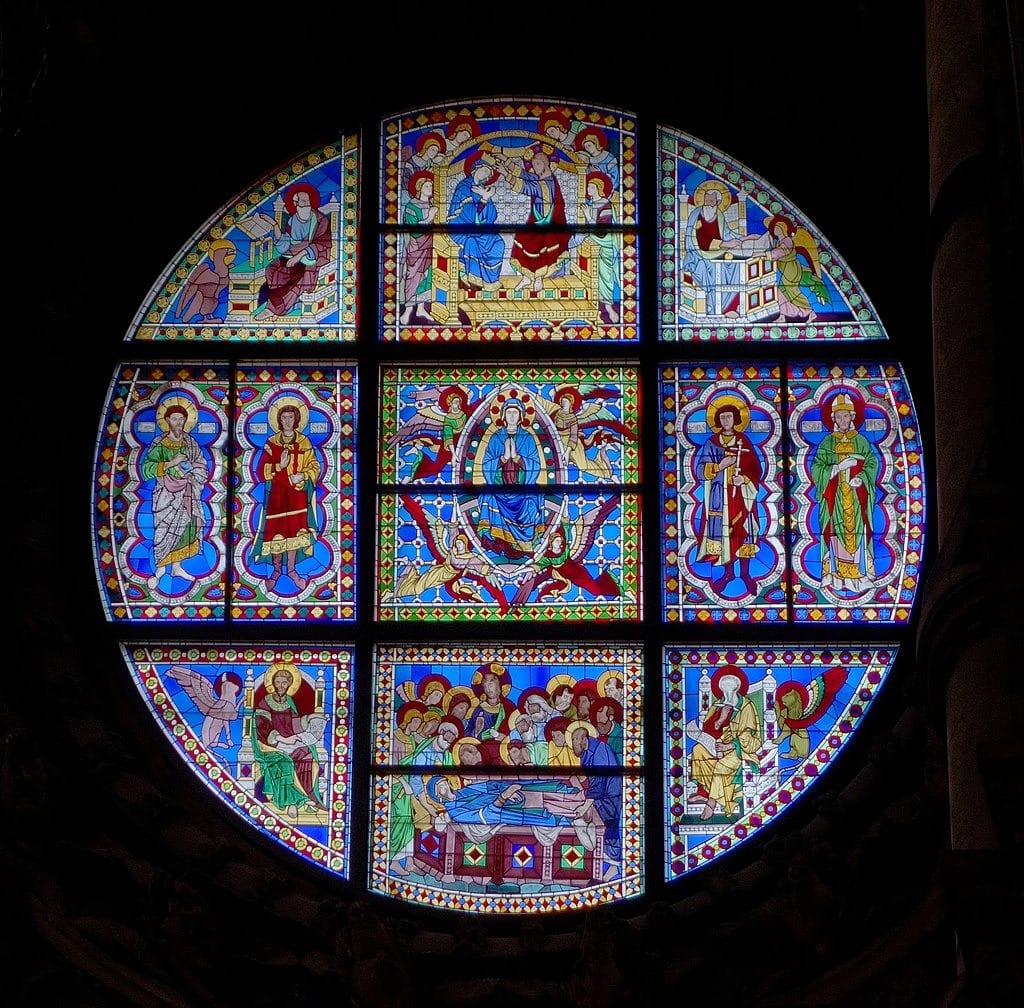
437	423
798	707
796	257
218	702
458	568
559	565
205	292
585	423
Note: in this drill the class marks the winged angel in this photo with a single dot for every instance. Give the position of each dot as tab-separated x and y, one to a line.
440	416
457	567
218	702
560	565
584	424
798	707
796	257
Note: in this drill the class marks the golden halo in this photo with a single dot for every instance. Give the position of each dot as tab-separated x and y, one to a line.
562	679
454	694
176	400
460	743
571	727
721	187
268	678
729	400
602	681
503	750
274	411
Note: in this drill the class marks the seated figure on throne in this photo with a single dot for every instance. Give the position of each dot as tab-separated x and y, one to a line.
537	252
481	251
725	739
709	239
288	739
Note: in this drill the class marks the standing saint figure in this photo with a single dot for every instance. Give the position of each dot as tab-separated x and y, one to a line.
289	469
845	472
597	209
419	248
178	467
730	468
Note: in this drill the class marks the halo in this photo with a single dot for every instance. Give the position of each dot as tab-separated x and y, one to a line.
452	390
477	157
592	131
611	702
590	729
779	218
728	400
585	685
234	677
567	391
552	115
460	743
505	745
454	722
431	136
423	175
407	709
496	668
735	670
183	401
792	686
274	411
558	723
430	680
310	190
602	681
513	397
452	696
462	119
532	691
721	187
562	679
604	179
268	677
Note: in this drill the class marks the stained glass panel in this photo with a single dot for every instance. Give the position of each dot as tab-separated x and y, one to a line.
722	487
159	493
739	262
266	729
278	262
432	703
858	493
512	220
296	493
560	828
750	730
764	526
437	422
487	511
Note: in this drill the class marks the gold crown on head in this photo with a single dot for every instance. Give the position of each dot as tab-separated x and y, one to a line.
842	401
